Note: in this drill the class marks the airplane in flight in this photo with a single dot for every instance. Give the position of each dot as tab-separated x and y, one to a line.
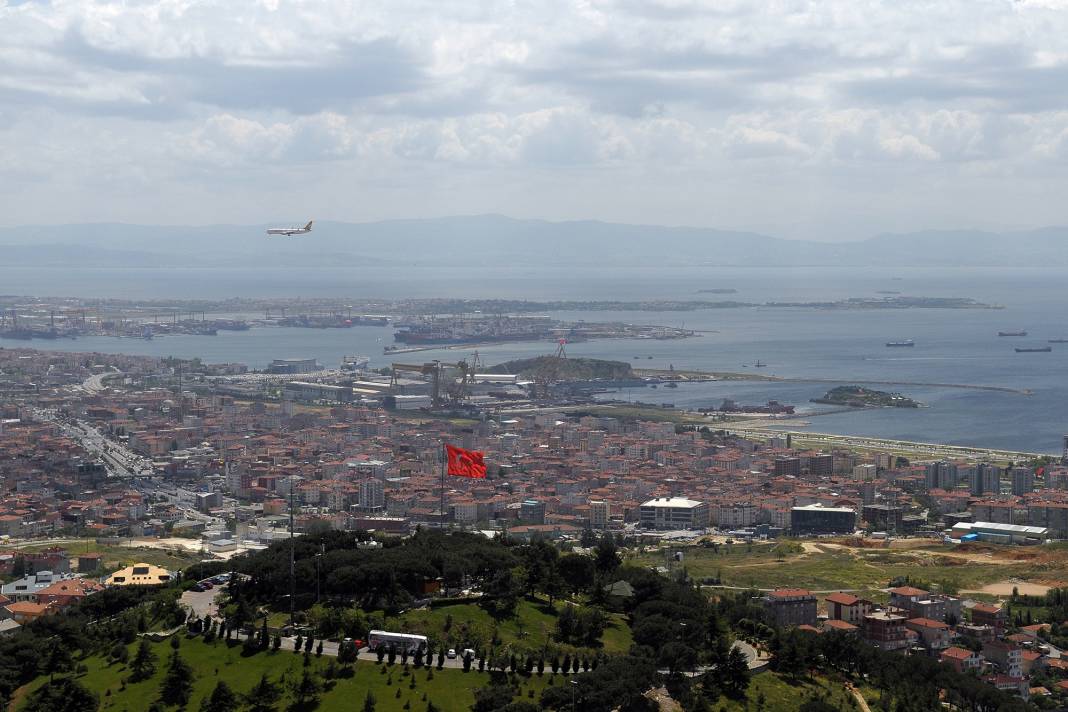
290	231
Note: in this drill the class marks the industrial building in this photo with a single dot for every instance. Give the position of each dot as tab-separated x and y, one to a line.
294	365
674	513
814	519
309	392
997	533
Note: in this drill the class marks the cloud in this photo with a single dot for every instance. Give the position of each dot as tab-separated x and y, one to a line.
663	96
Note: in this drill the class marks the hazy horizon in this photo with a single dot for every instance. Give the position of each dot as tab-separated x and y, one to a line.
833	120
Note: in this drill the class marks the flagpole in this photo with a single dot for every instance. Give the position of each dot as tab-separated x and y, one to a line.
444	464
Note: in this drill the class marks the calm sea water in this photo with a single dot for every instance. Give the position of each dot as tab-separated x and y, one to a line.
952	346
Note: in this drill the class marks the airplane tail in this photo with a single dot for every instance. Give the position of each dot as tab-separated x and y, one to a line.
308	226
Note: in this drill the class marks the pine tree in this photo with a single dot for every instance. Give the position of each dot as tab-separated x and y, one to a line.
264	696
369	702
177	682
222	699
306	690
144	662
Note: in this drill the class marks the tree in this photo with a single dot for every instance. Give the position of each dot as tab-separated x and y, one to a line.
57	660
65	694
606	556
369	702
222	699
306	690
144	662
501	594
264	696
120	653
734	674
577	570
177	682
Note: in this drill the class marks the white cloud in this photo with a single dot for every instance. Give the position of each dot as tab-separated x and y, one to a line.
232	93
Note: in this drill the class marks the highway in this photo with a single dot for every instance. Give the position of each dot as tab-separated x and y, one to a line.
119	459
95	384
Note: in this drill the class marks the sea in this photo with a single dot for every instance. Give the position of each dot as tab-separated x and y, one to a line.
958	346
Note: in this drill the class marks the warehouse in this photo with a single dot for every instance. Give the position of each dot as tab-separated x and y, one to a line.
997	533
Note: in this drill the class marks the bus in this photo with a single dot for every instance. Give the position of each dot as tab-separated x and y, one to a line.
401	640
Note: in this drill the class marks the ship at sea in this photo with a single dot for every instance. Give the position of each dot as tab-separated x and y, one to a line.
1033	350
1012	333
1057	341
906	342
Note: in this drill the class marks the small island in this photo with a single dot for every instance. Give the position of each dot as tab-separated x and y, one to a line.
860	397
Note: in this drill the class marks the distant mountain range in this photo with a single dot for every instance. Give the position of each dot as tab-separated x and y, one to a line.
493	240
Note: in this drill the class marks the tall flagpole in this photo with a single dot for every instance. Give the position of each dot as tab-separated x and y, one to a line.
444	464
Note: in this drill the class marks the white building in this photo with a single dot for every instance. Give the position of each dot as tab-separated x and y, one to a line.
673	513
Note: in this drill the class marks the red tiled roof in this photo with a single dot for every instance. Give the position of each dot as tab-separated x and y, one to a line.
957	653
846	599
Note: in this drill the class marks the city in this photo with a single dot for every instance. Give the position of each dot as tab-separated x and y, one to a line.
158	464
569	356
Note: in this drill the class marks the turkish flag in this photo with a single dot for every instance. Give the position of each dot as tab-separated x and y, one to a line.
465	463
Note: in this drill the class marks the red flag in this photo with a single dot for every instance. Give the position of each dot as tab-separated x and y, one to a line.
465	463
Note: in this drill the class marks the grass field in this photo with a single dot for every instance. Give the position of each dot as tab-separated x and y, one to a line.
450	690
532	627
116	557
828	568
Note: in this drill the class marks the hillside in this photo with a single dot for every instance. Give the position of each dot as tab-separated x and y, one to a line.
499	241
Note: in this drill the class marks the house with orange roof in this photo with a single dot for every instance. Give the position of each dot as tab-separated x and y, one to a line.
67	592
23	612
847	607
961	659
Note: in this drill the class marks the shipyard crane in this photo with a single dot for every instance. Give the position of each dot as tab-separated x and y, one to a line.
547	373
450	383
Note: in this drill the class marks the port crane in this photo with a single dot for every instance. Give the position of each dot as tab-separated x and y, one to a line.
450	382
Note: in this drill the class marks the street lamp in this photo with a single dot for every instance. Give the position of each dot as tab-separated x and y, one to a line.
574	687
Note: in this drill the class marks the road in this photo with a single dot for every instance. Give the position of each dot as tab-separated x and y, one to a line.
95	384
120	460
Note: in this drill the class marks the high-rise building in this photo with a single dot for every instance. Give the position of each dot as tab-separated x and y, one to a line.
599	514
941	475
372	494
984	478
532	511
1023	480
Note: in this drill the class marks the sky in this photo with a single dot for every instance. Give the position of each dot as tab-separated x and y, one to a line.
819	119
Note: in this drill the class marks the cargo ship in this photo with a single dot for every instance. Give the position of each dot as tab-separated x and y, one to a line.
906	342
1012	333
1033	350
1057	341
